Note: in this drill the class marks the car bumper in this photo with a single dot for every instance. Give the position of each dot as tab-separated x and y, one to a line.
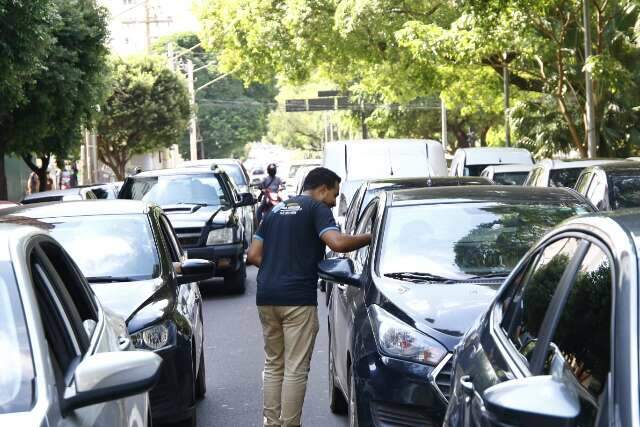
392	390
172	398
226	257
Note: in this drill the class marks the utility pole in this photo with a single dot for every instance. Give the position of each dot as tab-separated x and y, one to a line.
507	118
193	126
147	21
592	137
444	128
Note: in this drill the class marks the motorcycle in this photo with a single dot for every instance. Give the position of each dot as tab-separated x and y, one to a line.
269	199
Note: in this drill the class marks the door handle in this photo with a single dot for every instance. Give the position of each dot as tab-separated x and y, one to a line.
124	343
467	385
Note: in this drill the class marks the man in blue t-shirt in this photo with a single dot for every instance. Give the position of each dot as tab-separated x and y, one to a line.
287	248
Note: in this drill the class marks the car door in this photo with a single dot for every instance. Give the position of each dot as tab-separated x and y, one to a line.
559	323
189	299
507	342
75	329
342	298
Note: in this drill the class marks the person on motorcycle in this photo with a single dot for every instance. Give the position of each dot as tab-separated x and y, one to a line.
271	184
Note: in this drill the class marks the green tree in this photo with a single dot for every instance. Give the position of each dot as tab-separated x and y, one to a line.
230	114
25	36
148	108
62	97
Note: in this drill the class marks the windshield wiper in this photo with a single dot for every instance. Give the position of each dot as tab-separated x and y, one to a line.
490	276
110	279
418	277
194	203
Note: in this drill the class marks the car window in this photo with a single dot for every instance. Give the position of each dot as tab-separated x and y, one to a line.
205	189
525	306
170	237
581	341
352	213
564	177
597	192
365	226
583	182
236	173
125	243
533	177
510	178
626	192
16	383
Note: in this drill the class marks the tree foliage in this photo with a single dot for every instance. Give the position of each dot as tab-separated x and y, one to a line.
405	50
63	95
230	114
148	108
25	36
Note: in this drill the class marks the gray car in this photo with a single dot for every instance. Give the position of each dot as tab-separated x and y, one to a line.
66	360
559	343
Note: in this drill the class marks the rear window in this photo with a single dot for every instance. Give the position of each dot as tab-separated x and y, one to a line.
16	381
564	177
510	178
42	200
626	192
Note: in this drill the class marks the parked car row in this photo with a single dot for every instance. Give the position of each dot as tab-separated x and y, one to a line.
66	261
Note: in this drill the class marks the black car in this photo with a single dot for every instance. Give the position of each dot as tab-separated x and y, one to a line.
134	264
611	186
371	188
206	211
400	306
559	343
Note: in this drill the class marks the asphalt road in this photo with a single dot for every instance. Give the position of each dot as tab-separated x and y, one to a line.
234	361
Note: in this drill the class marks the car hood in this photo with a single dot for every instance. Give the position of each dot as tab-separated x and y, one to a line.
448	309
127	298
186	216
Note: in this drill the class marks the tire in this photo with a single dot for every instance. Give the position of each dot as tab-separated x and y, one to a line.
192	421
201	380
353	401
337	402
235	281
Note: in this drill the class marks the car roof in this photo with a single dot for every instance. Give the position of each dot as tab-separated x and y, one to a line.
436	181
572	164
53	193
192	170
209	162
510	168
627	167
495	155
485	193
79	208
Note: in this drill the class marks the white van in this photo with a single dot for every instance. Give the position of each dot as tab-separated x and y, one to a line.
472	161
358	160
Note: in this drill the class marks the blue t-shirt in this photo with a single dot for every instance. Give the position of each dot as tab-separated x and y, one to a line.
291	251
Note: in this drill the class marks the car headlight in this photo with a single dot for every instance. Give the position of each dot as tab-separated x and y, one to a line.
154	337
397	339
220	236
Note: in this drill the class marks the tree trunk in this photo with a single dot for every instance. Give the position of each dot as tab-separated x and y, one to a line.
3	178
40	171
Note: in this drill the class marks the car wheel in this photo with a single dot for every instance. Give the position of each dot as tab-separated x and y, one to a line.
235	280
201	380
353	401
337	402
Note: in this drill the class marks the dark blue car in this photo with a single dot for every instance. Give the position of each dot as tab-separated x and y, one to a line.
400	306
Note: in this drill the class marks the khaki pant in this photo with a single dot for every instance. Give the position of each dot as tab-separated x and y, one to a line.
289	336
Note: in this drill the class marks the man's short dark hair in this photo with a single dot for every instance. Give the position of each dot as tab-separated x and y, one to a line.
320	176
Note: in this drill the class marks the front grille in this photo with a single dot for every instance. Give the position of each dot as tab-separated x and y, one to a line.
391	415
189	237
443	377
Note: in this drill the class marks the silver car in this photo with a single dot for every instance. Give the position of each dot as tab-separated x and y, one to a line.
65	359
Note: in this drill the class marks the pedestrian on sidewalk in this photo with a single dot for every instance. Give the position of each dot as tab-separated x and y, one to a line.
287	248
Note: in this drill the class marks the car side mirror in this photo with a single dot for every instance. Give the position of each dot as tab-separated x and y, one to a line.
104	377
339	270
195	270
246	199
555	403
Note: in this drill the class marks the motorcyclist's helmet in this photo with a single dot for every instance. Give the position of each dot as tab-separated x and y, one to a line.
272	169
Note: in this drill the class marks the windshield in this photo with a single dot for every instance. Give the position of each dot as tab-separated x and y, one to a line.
456	241
124	243
510	178
16	381
202	189
564	177
235	173
626	192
